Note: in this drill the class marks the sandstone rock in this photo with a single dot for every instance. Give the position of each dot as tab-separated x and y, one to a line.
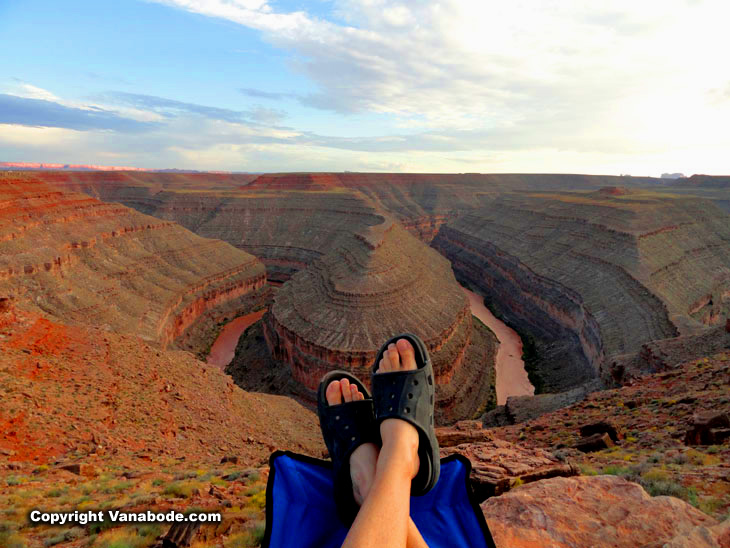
108	265
600	427
497	465
703	536
708	428
595	442
80	469
462	432
595	511
382	281
179	535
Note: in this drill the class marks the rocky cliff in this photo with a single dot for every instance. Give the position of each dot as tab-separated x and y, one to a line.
602	272
85	261
337	313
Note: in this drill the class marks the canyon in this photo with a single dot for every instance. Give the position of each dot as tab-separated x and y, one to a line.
607	296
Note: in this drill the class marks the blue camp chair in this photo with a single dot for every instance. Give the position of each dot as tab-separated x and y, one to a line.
301	513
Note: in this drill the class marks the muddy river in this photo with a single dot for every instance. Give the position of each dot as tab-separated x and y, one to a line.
511	375
224	347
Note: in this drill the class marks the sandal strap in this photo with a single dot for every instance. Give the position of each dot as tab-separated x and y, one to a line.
409	395
347	426
406	395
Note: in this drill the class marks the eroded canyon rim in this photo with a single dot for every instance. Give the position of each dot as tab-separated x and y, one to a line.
85	396
586	269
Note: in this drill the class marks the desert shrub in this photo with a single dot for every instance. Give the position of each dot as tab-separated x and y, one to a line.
656	474
12	540
183	489
63	536
124	538
615	470
258	500
587	470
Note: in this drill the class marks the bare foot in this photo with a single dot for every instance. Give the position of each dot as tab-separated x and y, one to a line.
365	457
400	437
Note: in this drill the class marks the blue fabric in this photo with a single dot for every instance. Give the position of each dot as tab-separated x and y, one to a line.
302	511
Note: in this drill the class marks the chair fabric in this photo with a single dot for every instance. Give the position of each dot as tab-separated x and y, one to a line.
301	511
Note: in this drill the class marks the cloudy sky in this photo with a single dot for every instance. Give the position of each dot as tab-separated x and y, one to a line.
627	86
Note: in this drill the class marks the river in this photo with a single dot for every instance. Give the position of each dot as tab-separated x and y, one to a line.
511	375
510	369
224	347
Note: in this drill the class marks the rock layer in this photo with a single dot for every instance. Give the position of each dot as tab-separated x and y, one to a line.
337	313
602	272
86	261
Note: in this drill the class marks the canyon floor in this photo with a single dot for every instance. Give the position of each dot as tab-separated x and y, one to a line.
118	322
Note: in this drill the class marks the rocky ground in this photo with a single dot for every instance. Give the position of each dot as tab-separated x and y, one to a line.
668	431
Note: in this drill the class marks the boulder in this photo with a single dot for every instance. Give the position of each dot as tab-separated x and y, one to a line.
601	427
702	536
596	442
596	511
708	429
498	465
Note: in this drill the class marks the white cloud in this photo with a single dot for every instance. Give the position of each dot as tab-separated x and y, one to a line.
553	70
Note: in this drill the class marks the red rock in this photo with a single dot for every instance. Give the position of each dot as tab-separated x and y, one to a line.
596	442
702	536
600	427
497	465
708	428
595	511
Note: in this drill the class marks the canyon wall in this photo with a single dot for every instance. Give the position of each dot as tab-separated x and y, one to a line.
382	281
567	337
85	261
594	275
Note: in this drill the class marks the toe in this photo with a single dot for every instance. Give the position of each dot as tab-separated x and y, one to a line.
355	393
346	392
407	354
393	356
334	394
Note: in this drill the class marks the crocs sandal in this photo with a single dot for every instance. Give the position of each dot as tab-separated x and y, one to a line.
345	427
409	395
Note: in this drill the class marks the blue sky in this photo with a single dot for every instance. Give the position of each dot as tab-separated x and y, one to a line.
371	85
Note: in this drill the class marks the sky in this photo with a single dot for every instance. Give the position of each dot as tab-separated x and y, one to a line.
540	86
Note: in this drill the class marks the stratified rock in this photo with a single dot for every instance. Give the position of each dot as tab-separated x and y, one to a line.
708	428
102	264
462	432
338	312
497	465
592	276
595	511
595	442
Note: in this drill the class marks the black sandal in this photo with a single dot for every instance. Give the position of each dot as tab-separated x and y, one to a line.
345	427
409	395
